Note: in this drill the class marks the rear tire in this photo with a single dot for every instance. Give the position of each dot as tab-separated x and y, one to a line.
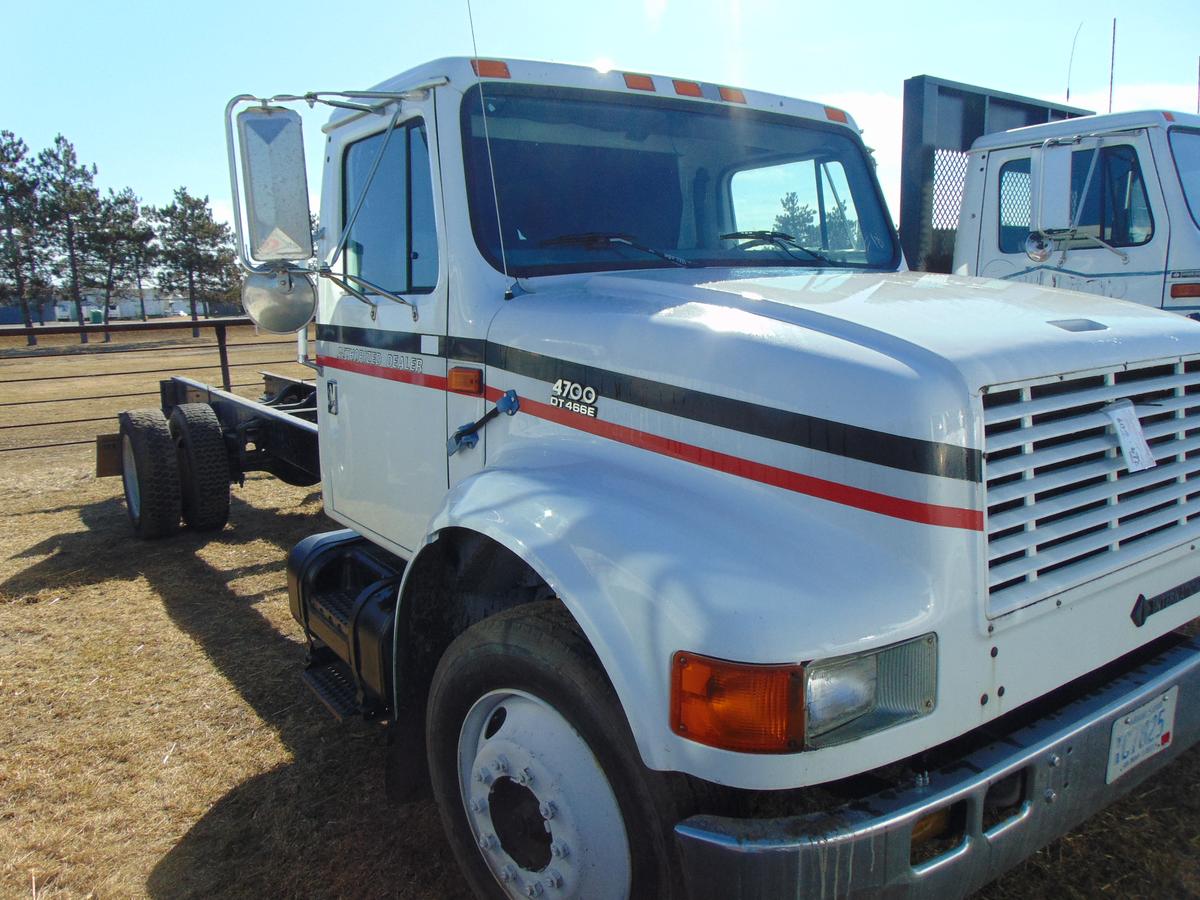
150	473
203	466
535	772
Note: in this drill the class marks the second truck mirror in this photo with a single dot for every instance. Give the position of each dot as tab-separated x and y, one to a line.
277	213
1050	176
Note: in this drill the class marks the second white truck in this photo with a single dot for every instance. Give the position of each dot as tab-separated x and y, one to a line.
1103	204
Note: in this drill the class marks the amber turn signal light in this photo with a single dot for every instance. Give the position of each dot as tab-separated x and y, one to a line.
464	380
737	706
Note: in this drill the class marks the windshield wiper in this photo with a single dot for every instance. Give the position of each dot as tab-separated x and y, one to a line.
784	242
598	239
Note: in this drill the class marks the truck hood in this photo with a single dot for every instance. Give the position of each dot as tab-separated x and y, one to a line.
898	352
991	331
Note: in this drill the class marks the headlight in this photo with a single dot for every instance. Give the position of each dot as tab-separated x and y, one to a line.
839	692
754	708
852	696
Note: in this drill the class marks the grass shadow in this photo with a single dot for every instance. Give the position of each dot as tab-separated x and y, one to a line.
319	825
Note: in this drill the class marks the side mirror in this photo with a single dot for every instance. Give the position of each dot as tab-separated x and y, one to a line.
279	302
278	220
1050	171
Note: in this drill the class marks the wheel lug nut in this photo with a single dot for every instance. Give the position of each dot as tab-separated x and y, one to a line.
499	765
547	809
534	890
484	776
478	806
487	842
508	873
559	849
553	879
526	777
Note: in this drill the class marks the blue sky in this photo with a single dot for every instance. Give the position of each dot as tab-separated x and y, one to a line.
140	88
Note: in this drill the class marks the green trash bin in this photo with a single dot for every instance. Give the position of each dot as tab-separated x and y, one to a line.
96	316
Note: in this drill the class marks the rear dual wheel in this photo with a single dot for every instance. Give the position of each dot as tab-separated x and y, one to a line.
203	465
172	469
539	784
149	473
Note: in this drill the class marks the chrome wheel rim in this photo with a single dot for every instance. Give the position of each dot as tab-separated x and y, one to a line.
540	808
133	493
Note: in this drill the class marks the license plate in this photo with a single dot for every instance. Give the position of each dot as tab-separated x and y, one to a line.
1140	734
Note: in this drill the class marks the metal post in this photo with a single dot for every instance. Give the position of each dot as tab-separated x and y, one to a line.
223	352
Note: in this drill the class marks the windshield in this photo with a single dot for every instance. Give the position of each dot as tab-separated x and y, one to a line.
1185	146
592	181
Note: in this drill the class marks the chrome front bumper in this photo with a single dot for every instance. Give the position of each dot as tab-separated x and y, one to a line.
865	848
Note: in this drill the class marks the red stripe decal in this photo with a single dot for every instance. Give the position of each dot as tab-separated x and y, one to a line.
418	378
884	504
871	501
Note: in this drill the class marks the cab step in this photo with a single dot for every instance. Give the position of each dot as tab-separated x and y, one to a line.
333	684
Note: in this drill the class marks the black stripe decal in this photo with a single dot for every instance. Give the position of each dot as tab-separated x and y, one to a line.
825	435
466	349
855	442
375	338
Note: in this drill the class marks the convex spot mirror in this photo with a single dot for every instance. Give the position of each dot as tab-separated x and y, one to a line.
1050	175
279	302
276	184
1037	247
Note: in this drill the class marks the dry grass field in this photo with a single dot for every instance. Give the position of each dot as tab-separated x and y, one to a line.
156	740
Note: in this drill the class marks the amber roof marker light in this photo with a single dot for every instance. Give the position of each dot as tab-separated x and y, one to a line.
639	82
490	68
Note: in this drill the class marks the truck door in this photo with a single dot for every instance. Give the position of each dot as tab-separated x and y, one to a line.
382	390
1122	206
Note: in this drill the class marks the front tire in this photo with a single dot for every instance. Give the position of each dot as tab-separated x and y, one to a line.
535	771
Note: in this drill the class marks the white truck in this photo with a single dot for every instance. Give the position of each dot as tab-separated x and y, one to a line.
693	556
1104	204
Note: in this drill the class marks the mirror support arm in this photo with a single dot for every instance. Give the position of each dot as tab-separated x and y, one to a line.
362	197
343	283
231	147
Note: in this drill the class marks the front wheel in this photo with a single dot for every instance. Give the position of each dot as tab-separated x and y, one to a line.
539	784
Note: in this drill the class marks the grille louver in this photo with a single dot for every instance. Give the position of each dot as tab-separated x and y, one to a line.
1063	509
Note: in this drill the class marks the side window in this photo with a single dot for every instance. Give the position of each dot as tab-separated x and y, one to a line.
808	200
1115	209
1015	205
393	243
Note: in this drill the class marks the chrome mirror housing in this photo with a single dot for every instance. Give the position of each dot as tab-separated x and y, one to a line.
278	220
1050	177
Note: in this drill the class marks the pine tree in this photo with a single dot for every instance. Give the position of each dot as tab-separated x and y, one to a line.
18	221
111	243
71	204
196	251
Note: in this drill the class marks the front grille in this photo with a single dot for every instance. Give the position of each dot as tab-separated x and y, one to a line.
1062	508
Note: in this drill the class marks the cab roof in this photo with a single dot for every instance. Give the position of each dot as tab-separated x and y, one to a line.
461	72
1085	125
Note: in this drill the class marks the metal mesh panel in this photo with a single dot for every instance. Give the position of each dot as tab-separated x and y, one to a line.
949	177
1015	203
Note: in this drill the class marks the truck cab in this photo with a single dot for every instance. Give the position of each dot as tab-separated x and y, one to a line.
693	545
1134	197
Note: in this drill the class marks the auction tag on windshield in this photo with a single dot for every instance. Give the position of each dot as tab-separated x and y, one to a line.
1138	735
1129	432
